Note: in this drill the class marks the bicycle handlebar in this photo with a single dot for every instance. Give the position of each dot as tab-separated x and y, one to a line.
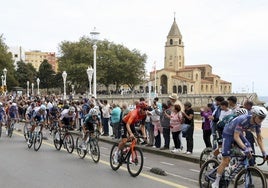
263	159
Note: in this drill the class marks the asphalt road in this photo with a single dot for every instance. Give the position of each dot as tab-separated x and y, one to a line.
23	167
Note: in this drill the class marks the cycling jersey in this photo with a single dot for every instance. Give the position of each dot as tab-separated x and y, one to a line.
2	114
38	116
134	117
12	111
240	124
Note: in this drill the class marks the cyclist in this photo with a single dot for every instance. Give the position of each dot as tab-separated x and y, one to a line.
2	115
39	115
12	113
128	125
29	112
234	130
53	114
88	125
67	117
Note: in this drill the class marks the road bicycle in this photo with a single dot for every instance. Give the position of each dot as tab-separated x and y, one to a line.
92	147
62	137
239	172
36	137
131	155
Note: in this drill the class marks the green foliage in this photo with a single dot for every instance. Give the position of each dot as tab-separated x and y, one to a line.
25	72
7	62
116	64
46	75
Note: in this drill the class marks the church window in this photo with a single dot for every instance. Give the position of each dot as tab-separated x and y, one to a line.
171	42
180	41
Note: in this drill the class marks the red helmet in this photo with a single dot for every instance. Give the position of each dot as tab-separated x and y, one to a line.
142	105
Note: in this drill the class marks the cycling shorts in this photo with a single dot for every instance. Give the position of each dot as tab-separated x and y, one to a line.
89	126
124	130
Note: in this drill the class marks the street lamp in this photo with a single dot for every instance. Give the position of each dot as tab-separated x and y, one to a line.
38	82
94	35
64	76
72	90
32	89
89	75
28	83
2	80
5	80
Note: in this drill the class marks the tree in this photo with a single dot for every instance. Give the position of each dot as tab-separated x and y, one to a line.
7	62
116	64
46	75
25	72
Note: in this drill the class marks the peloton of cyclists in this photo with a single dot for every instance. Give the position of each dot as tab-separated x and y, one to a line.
234	132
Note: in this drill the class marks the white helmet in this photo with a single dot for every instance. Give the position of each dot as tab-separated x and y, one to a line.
241	111
14	104
43	107
259	111
93	112
71	109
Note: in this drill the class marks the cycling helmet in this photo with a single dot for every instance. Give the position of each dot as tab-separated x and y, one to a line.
241	111
1	104
143	105
93	112
13	104
259	111
71	109
43	107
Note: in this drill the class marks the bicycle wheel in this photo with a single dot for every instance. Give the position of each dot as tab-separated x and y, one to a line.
204	156
25	132
81	153
208	169
68	142
135	162
38	140
57	140
10	129
250	177
94	150
114	165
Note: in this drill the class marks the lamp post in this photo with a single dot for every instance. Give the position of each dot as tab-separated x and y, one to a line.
94	35
28	83
64	76
72	89
38	82
5	80
2	80
32	89
89	75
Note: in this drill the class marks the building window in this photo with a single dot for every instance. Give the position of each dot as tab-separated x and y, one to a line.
179	41
171	42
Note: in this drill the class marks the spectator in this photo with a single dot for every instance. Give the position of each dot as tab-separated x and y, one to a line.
165	123
189	119
176	119
206	122
115	121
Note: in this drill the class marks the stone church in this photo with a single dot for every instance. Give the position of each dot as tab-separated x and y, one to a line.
176	77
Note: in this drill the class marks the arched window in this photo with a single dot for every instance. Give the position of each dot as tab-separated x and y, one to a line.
171	42
179	41
174	89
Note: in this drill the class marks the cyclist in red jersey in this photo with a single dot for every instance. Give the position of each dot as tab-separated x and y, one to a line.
128	126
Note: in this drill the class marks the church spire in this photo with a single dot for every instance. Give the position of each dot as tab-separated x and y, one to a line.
174	30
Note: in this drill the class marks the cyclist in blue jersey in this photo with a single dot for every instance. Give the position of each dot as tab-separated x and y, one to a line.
12	113
39	115
234	132
2	115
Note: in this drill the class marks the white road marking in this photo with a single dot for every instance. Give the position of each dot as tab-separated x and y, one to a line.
165	163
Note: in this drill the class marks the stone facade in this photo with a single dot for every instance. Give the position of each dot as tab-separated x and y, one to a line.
178	78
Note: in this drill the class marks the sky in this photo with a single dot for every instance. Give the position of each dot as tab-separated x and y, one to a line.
230	35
